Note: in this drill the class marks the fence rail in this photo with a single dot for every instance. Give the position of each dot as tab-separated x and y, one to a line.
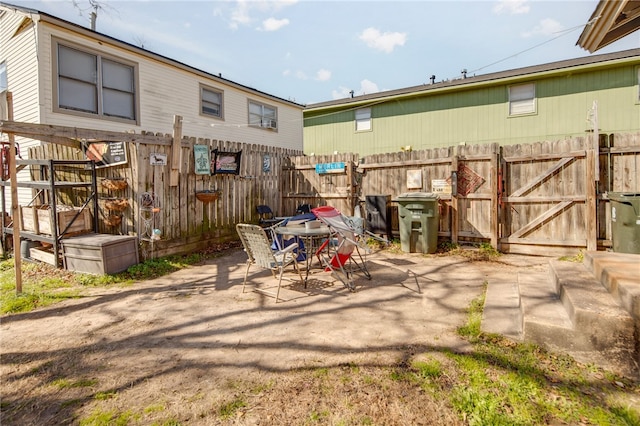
542	198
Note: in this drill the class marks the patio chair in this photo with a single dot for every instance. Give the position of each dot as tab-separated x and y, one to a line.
346	239
258	248
303	208
266	216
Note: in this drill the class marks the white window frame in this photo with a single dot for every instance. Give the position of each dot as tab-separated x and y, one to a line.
4	85
112	82
207	105
363	120
522	99
262	115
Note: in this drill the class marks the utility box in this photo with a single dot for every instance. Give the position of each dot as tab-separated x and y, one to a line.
418	222
100	253
625	222
378	214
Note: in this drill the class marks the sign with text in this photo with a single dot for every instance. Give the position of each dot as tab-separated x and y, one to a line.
323	168
441	186
106	154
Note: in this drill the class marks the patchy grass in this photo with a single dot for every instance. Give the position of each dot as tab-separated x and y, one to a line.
44	284
495	381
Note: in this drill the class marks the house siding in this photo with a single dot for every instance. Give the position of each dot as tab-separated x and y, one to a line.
165	91
19	52
480	114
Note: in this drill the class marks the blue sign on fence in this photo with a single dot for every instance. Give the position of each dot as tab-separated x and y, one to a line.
330	167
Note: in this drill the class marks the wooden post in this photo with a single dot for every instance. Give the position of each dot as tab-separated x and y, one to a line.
350	188
591	220
454	205
176	150
495	165
14	198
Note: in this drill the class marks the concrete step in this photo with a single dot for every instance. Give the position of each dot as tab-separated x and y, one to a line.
564	309
603	331
619	273
502	313
545	320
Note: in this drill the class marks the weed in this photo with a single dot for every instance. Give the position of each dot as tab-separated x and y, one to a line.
105	395
66	383
229	409
108	418
578	258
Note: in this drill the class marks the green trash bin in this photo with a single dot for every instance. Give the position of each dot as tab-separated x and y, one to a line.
418	222
625	222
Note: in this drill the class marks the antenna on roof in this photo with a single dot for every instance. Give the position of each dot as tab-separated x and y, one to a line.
464	73
352	92
433	79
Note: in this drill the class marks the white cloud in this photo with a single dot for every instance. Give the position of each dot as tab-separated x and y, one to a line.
366	87
342	92
300	75
512	7
241	14
385	42
273	24
546	27
323	75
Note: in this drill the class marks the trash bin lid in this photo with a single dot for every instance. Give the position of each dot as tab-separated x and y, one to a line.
416	195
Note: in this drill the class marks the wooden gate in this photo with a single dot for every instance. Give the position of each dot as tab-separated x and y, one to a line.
547	205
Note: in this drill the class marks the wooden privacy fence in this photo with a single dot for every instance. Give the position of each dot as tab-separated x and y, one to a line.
541	198
184	222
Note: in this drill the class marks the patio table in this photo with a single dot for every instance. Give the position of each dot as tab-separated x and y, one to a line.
312	238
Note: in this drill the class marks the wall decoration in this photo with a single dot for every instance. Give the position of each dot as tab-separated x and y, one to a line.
157	159
468	180
105	154
414	179
202	159
266	163
226	162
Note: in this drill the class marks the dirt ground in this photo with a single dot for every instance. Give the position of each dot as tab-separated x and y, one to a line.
174	342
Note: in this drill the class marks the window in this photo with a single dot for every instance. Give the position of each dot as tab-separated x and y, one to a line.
3	77
210	102
91	83
264	116
522	99
363	119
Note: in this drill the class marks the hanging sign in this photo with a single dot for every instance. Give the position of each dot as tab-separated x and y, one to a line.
323	168
106	154
158	159
201	156
226	162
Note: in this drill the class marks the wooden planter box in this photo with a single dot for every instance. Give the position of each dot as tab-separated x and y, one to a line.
43	255
100	253
42	221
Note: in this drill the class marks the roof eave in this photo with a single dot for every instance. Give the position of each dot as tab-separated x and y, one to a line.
610	21
52	20
466	84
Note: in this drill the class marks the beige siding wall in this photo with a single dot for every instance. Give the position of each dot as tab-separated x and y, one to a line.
165	91
18	50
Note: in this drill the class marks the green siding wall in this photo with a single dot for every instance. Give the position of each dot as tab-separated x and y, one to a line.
480	115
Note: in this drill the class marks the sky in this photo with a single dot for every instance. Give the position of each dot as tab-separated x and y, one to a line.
316	51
